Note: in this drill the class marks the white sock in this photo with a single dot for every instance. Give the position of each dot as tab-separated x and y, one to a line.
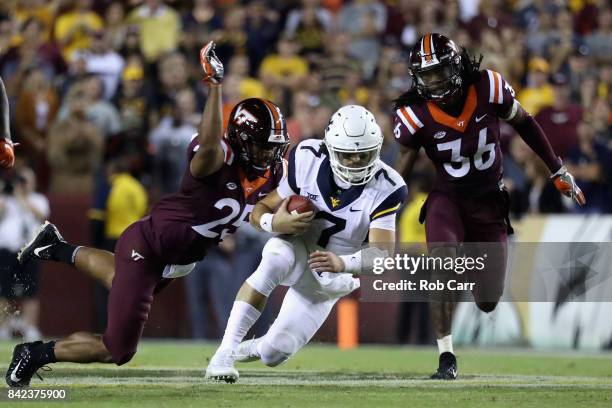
445	344
242	317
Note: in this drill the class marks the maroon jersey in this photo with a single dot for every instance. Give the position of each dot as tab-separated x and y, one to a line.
183	225
465	149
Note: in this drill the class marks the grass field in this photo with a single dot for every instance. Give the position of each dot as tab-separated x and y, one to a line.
170	374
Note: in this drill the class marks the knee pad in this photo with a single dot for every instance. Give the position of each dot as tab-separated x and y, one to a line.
276	348
277	260
487	307
270	356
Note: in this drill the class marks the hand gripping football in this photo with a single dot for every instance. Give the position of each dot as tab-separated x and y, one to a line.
299	204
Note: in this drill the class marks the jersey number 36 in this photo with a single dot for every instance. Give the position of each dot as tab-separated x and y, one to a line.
464	162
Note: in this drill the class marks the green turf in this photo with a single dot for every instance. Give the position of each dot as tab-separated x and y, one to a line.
168	374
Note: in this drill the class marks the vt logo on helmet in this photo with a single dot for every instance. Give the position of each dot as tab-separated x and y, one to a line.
258	135
435	66
353	140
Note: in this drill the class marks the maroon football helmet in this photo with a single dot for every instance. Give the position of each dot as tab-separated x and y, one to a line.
435	66
257	133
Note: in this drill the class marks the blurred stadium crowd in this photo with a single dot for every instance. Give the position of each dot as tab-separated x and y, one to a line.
105	95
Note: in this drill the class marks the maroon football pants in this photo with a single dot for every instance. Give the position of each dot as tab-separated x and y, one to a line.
481	223
138	276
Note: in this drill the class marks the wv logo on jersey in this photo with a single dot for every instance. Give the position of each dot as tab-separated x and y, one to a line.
335	202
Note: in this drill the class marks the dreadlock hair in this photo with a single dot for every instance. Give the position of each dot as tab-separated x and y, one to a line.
470	69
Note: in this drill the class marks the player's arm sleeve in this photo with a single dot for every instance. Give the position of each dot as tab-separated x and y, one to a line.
289	185
509	109
532	133
383	216
406	128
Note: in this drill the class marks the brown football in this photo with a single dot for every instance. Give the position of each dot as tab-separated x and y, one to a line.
299	204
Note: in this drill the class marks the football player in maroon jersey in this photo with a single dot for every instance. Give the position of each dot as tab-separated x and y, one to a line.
225	177
453	111
7	154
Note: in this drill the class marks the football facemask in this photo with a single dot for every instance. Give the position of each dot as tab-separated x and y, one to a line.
355	168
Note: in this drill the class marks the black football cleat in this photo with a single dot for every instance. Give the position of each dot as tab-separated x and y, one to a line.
447	367
25	363
42	245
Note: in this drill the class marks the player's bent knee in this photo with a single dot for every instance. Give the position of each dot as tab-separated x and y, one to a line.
276	348
123	357
487	307
276	263
119	352
272	357
279	248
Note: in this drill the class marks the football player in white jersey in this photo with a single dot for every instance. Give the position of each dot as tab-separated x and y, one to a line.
317	255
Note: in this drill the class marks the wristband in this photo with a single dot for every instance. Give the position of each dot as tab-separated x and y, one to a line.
265	222
562	170
362	262
352	263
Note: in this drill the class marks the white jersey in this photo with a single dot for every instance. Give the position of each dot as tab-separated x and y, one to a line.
344	216
342	221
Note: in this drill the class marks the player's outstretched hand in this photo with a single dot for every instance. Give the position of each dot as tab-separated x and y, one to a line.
325	261
7	154
565	183
211	64
286	223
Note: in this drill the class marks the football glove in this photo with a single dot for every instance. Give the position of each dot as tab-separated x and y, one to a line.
565	183
7	154
212	66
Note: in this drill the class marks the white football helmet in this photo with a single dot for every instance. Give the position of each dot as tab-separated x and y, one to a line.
353	140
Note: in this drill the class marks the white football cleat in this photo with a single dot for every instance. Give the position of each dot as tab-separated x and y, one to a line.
247	351
221	367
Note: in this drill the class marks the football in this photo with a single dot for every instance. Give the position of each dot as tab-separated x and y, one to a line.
299	204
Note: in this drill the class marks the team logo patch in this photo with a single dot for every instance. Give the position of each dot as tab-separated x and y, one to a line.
335	202
312	196
243	115
231	186
440	134
136	256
